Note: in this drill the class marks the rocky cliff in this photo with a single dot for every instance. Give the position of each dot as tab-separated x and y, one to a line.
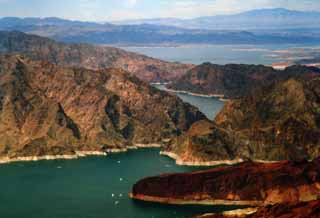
51	110
89	56
277	122
300	210
234	80
248	183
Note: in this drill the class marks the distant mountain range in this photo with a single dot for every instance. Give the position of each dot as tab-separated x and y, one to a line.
90	56
277	18
254	27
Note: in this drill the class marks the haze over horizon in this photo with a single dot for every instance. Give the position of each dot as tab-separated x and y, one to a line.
100	10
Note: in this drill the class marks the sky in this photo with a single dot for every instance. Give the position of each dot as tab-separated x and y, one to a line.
114	10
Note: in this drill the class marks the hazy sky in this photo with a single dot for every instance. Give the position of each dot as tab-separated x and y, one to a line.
107	10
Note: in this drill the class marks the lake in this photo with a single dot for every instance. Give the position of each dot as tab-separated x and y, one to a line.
94	187
226	54
210	106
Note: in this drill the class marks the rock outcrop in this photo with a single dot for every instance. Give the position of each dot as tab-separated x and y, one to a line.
277	122
90	57
302	210
50	110
204	144
234	80
250	184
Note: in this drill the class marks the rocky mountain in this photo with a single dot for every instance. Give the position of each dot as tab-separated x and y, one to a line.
250	184
148	34
273	18
280	121
51	110
234	80
90	56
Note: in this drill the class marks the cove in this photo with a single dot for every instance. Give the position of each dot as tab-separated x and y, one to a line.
95	187
92	187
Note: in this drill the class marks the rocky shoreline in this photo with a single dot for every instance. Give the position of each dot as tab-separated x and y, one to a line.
181	162
248	184
218	96
174	201
77	155
237	213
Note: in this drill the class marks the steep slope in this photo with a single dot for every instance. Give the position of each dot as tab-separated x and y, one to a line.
234	80
205	144
89	56
46	109
277	122
249	183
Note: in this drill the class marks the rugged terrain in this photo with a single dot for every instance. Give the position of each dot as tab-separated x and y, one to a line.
250	184
90	56
278	122
301	210
50	110
234	80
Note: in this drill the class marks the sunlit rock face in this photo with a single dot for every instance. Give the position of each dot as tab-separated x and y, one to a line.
249	183
51	110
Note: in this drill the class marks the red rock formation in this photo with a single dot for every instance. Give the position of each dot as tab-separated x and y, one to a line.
47	109
244	184
301	210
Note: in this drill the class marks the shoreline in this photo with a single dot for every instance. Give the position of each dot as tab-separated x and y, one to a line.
181	162
77	155
238	212
220	97
173	201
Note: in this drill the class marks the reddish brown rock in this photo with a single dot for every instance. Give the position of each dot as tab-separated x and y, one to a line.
278	122
235	80
301	210
46	109
244	184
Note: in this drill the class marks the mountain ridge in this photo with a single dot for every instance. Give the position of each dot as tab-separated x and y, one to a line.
233	21
90	56
52	110
161	33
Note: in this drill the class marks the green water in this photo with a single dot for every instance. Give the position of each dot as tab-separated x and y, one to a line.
83	188
94	187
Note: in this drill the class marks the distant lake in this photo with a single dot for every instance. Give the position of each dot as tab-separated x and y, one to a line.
223	54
